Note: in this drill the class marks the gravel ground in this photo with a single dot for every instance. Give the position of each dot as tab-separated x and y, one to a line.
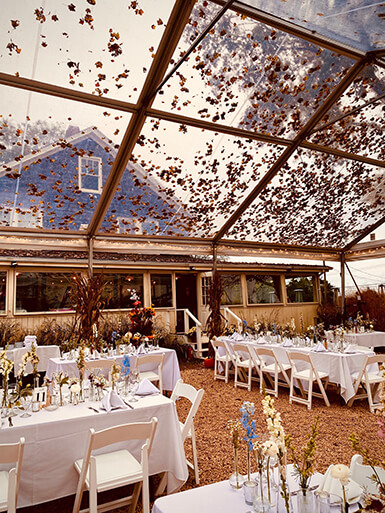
222	402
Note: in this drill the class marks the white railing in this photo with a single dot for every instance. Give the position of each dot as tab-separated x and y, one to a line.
198	325
229	313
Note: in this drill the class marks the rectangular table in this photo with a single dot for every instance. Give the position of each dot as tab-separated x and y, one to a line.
342	368
45	353
55	439
366	339
220	497
170	372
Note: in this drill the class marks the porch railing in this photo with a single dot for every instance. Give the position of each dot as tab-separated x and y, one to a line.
227	313
184	319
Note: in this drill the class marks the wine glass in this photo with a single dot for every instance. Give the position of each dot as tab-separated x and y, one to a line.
26	401
133	383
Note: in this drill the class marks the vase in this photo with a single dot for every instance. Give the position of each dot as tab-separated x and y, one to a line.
305	501
250	491
36	381
236	479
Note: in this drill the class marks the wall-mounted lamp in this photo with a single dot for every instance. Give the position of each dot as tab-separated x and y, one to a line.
13	264
192	268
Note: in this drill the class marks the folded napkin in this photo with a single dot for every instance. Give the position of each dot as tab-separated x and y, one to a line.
351	349
141	349
287	343
29	340
111	401
319	348
261	340
333	486
145	387
236	336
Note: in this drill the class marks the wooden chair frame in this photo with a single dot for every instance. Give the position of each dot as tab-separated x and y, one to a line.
11	453
368	382
157	359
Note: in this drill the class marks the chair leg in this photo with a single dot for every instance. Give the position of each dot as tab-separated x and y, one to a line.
195	455
93	490
146	496
135	497
310	394
322	389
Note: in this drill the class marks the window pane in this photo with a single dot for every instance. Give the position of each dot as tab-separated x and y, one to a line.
232	291
161	290
300	290
119	289
42	292
263	289
3	287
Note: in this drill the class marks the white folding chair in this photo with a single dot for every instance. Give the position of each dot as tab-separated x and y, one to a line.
275	371
101	364
243	365
154	366
102	472
187	427
363	474
309	374
366	382
221	358
9	480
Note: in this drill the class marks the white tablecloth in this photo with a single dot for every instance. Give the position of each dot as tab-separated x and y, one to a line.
54	440
43	352
367	339
341	368
170	373
221	498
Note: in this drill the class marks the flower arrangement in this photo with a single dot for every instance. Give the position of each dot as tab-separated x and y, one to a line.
304	464
236	480
141	318
277	436
126	364
248	424
81	360
342	473
6	367
33	358
61	379
115	374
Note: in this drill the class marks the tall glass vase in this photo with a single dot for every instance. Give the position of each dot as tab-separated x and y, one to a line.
305	501
236	479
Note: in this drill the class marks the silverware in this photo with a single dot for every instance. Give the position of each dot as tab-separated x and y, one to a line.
10	422
94	409
128	404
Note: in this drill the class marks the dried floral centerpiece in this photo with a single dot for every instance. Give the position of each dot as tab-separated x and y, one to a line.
61	379
33	358
304	467
115	374
6	366
236	479
277	436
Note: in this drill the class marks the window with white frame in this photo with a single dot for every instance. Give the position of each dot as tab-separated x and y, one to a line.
90	174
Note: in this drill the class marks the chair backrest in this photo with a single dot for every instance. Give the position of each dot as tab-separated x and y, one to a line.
216	343
377	358
134	431
101	363
302	357
194	396
155	359
265	351
13	453
363	474
240	351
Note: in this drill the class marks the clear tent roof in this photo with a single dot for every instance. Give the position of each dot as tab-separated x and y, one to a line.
208	123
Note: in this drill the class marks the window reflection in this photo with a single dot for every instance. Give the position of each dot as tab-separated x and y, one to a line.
300	289
161	290
263	289
42	292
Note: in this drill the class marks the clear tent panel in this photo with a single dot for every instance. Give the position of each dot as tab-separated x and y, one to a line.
356	23
186	181
316	199
55	157
248	75
103	48
355	123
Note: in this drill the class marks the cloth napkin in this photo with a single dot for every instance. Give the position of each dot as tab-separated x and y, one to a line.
350	349
287	343
141	349
319	348
236	336
333	486
29	340
111	401
145	387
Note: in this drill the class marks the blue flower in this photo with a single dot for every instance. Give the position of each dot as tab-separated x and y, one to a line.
126	365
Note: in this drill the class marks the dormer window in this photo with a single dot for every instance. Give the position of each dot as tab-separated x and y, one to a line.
90	174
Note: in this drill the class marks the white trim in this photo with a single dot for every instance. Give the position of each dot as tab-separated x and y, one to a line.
83	166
